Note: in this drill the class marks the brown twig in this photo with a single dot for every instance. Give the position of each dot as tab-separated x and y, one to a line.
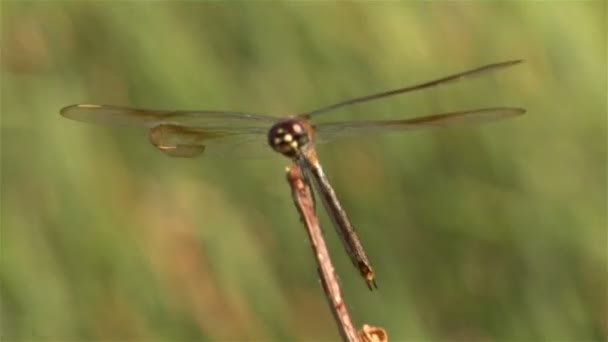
303	199
304	202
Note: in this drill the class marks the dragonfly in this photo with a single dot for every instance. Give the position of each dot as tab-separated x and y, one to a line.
183	133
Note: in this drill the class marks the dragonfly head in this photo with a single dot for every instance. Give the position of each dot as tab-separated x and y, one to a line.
289	137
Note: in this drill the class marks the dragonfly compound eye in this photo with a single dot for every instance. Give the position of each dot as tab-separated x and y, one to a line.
288	137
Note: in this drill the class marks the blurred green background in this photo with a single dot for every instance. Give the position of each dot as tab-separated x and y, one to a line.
489	232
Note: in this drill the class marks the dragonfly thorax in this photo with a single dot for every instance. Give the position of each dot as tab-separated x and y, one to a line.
288	137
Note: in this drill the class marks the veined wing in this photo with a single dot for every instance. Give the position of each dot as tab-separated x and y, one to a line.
124	116
436	82
185	133
331	131
183	141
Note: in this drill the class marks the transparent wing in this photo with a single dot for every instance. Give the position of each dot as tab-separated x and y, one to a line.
182	141
328	132
124	116
187	133
436	82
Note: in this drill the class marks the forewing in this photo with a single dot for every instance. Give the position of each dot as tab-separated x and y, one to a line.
420	86
124	116
328	132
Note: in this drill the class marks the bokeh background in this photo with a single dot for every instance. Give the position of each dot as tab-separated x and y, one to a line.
489	232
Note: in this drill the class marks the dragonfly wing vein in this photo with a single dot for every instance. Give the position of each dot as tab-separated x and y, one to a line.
125	116
436	82
328	132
